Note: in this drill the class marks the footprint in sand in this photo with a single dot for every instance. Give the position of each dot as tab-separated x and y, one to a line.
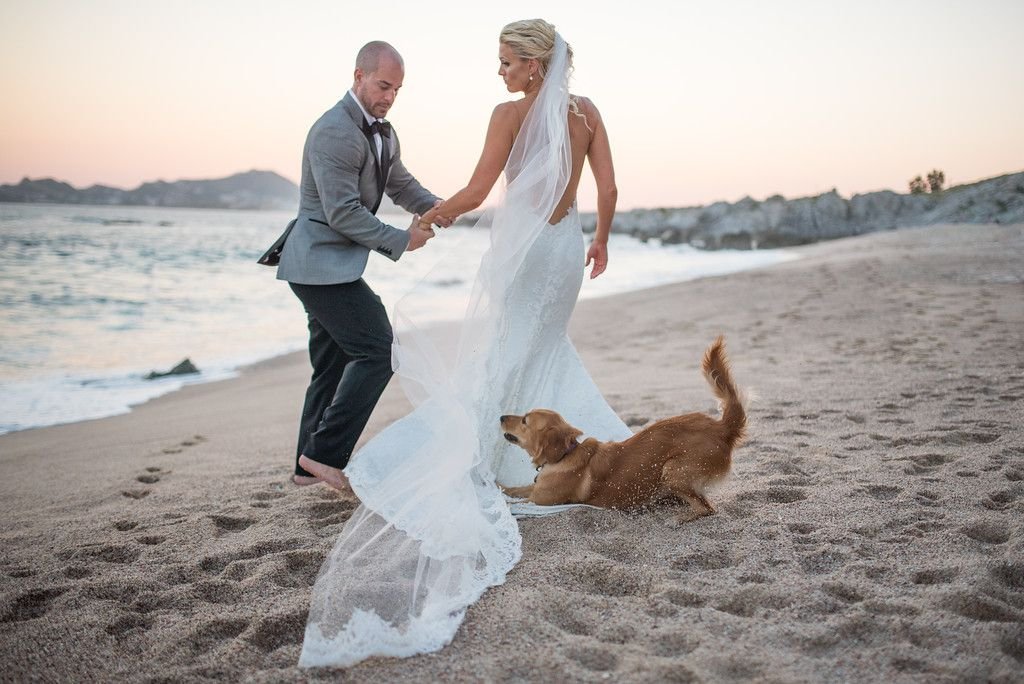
1001	500
217	591
331	512
618	549
151	539
152	475
108	553
77	571
274	631
751	601
675	643
298	569
593	658
822	562
934	576
184	444
843	592
882	492
988	532
19	573
781	495
926	463
32	604
129	624
262	499
213	633
216	563
962	438
1010	574
712	559
601	578
977	606
227	523
565	615
1012	643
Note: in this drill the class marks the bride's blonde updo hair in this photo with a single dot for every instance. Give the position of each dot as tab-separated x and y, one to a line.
533	39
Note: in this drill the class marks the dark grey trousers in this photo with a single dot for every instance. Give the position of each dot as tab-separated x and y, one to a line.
350	350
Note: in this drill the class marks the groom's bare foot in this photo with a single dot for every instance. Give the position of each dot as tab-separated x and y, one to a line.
332	476
305	480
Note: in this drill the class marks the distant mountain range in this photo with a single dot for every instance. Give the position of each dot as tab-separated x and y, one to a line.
249	190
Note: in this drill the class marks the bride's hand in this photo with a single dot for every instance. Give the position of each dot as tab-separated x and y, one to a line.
598	253
432	217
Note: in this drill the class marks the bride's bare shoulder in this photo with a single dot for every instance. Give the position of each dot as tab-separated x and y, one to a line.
508	113
583	104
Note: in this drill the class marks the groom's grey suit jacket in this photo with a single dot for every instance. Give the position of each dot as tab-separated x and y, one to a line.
335	229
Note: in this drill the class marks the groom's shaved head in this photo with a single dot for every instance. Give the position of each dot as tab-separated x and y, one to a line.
378	77
370	56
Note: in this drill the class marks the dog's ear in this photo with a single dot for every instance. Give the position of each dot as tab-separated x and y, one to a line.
556	441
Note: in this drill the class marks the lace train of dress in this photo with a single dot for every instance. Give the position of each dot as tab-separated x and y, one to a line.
532	365
434	531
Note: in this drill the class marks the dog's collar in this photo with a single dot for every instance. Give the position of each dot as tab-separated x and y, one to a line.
572	447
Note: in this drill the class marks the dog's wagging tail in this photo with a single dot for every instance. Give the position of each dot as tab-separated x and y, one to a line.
718	374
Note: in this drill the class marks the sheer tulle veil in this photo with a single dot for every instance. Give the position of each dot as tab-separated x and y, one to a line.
434	531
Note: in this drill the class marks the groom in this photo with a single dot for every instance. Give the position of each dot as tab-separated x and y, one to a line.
350	160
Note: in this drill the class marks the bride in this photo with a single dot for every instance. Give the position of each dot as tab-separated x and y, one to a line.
434	531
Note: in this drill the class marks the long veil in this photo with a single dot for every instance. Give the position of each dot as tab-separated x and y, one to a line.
434	531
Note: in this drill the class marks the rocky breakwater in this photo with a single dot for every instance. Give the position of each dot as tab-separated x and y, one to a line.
778	222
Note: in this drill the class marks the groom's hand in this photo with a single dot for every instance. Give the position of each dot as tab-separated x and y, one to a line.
419	233
443	221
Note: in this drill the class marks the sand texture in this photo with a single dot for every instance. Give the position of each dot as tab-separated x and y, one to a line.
873	528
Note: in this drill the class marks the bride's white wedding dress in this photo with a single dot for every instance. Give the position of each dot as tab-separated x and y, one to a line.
434	531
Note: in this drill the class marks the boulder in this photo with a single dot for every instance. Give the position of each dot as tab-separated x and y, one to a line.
186	367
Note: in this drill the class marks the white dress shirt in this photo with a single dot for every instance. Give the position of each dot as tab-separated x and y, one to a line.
369	120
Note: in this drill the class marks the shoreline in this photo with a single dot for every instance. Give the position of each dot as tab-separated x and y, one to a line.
96	395
871	522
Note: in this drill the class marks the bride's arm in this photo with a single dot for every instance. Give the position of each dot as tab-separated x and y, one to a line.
599	154
497	146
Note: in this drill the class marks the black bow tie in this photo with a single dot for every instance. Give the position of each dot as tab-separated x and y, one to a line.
382	127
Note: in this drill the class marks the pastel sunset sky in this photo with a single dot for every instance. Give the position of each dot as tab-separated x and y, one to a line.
703	101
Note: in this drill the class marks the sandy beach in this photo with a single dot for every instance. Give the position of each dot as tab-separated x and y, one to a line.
873	527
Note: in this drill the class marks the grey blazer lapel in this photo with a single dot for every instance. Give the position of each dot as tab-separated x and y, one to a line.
351	107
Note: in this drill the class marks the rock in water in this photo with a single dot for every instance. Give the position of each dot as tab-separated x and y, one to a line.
186	367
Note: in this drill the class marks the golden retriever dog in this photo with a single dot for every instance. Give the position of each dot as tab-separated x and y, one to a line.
684	454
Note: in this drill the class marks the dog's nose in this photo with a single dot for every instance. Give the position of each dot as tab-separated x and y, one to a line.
502	418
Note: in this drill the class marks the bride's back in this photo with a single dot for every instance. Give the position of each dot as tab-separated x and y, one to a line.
582	121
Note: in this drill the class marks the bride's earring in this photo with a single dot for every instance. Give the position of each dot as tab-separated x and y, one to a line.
531	77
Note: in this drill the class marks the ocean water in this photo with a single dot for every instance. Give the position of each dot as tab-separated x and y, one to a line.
94	298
